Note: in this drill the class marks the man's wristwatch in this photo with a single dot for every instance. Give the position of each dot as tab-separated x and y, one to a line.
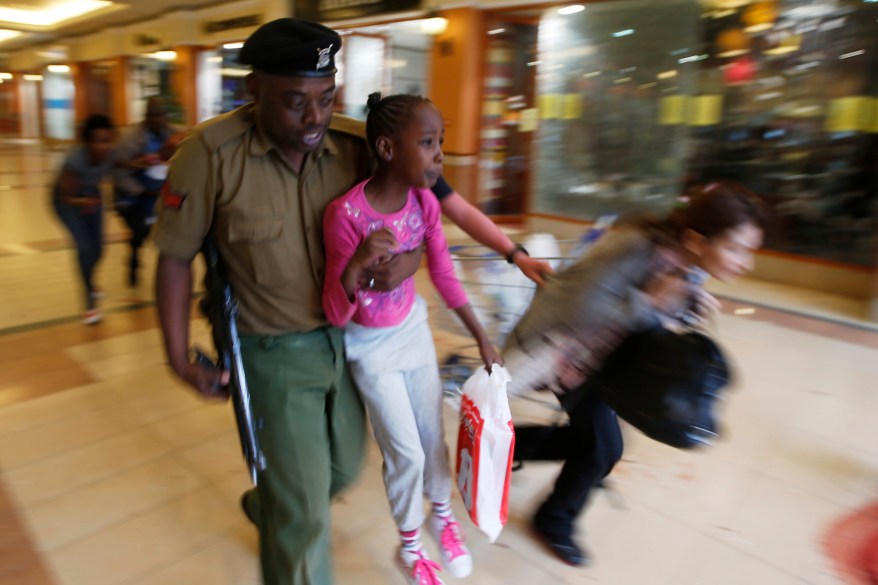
510	257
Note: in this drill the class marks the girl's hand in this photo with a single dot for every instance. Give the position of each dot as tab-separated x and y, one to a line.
489	355
379	246
533	268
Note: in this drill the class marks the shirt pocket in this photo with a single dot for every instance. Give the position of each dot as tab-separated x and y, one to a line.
259	245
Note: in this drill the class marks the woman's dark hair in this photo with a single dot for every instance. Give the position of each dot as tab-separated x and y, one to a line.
709	209
93	123
387	116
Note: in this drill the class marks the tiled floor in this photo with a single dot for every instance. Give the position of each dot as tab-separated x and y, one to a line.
112	473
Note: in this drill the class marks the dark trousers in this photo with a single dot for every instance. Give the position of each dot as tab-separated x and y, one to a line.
139	217
87	232
590	446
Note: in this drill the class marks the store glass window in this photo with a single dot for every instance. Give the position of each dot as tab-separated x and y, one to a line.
58	94
390	58
233	76
798	84
611	80
151	76
635	100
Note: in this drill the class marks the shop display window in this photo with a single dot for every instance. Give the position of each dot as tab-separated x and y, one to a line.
633	100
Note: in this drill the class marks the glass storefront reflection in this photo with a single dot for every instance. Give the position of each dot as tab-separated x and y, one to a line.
610	84
635	99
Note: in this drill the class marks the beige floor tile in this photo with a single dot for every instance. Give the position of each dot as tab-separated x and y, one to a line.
144	544
719	564
153	397
66	434
202	422
118	346
783	525
53	476
231	559
218	458
78	513
48	410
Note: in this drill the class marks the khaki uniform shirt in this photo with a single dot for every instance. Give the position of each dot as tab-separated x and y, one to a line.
266	216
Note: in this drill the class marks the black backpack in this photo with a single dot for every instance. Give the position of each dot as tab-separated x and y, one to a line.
665	383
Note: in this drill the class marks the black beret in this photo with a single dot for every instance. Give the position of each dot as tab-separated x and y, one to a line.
290	46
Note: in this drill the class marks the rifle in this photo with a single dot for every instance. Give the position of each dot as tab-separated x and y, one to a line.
221	309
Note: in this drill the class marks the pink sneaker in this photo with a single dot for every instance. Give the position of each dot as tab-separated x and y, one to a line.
455	555
417	568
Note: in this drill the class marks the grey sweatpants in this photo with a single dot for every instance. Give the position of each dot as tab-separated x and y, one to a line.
396	371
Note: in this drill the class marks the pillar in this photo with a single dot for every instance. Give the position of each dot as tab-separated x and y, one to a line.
119	91
184	81
456	87
79	73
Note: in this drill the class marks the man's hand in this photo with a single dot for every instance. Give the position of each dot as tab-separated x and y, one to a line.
208	381
378	247
389	274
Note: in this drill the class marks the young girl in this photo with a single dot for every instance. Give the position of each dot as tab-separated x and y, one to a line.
76	198
387	338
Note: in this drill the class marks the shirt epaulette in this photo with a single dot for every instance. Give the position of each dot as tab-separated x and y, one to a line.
219	130
348	125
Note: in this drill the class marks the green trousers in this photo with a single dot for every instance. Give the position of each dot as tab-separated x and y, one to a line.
312	431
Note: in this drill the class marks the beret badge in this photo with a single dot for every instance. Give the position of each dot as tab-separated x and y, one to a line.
323	56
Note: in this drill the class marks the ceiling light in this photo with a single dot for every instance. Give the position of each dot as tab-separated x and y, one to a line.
54	14
572	9
434	26
164	55
623	33
231	72
755	28
31	77
5	75
58	68
733	53
6	34
497	31
233	45
851	54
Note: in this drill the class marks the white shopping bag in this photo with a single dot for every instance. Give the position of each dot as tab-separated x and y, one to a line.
485	443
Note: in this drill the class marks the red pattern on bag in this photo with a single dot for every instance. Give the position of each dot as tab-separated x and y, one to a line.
469	453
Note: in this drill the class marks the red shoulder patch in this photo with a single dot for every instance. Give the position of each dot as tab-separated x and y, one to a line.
170	198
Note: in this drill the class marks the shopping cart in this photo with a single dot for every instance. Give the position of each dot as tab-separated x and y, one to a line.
499	295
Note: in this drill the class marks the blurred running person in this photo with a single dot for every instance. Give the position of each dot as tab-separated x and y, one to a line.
76	196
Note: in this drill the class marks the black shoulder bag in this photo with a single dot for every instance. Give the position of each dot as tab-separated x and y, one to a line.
665	383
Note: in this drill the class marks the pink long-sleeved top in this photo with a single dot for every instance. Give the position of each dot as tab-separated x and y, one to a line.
347	223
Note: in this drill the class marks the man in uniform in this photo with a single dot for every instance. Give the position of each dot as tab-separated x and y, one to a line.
260	178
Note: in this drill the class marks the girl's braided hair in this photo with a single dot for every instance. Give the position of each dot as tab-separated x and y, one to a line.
388	115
